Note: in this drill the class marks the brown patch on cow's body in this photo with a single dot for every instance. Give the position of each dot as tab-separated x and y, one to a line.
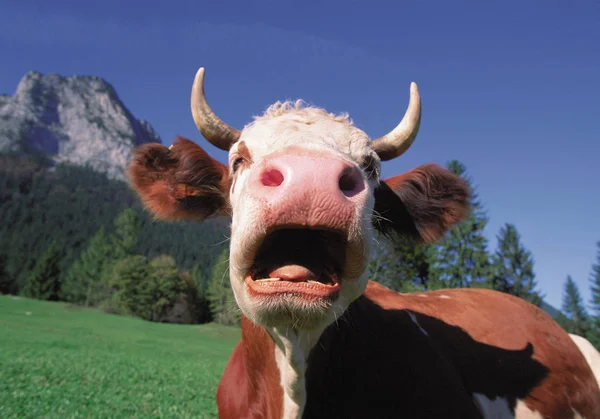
506	323
251	387
375	361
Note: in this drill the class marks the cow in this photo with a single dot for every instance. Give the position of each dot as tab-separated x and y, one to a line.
319	340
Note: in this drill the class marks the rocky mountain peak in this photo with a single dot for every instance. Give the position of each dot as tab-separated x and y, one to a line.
76	119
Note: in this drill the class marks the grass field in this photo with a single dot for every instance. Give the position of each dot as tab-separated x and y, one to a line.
57	360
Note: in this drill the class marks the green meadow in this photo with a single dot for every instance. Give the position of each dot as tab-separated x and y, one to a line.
59	360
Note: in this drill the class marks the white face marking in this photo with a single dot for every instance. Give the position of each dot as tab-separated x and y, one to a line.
283	126
311	129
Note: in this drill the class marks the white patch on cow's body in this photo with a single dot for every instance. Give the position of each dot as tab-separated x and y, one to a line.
422	295
590	353
291	354
415	321
524	412
444	296
496	408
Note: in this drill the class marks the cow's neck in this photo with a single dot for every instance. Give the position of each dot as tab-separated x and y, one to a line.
292	348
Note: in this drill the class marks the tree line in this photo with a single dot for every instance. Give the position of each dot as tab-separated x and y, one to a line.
65	227
73	235
110	275
69	204
462	259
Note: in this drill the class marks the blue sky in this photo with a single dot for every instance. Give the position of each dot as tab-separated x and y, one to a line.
511	89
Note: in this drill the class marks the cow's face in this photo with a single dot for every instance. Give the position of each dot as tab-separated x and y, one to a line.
302	187
302	200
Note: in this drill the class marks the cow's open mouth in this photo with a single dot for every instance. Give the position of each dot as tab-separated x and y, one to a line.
299	259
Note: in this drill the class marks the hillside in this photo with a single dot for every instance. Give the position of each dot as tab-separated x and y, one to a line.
64	146
70	203
64	361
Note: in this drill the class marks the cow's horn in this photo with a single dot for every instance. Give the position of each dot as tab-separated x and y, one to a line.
217	132
397	141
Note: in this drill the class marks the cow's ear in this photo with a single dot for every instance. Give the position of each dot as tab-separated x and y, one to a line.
181	182
421	204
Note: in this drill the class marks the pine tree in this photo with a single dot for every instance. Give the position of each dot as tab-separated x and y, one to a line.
512	267
6	282
124	241
85	279
574	310
186	310
461	258
130	282
127	227
168	286
399	263
202	305
594	335
220	295
595	285
43	282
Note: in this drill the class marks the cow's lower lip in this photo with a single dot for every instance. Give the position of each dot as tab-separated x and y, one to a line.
304	289
300	262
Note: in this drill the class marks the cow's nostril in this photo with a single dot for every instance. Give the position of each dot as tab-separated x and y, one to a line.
348	183
271	177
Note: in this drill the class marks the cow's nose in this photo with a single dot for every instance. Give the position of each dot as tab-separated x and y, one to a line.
304	176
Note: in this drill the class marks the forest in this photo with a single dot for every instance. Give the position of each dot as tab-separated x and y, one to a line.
70	234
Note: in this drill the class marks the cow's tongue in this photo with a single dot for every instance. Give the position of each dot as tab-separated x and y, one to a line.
294	273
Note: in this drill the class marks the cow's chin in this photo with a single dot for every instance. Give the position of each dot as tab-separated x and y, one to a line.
299	278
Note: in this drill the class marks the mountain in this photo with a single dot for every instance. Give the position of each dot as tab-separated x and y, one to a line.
78	120
64	146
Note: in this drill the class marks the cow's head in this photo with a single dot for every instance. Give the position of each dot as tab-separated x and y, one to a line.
302	187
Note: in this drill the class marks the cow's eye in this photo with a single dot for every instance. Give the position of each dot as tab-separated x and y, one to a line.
235	165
